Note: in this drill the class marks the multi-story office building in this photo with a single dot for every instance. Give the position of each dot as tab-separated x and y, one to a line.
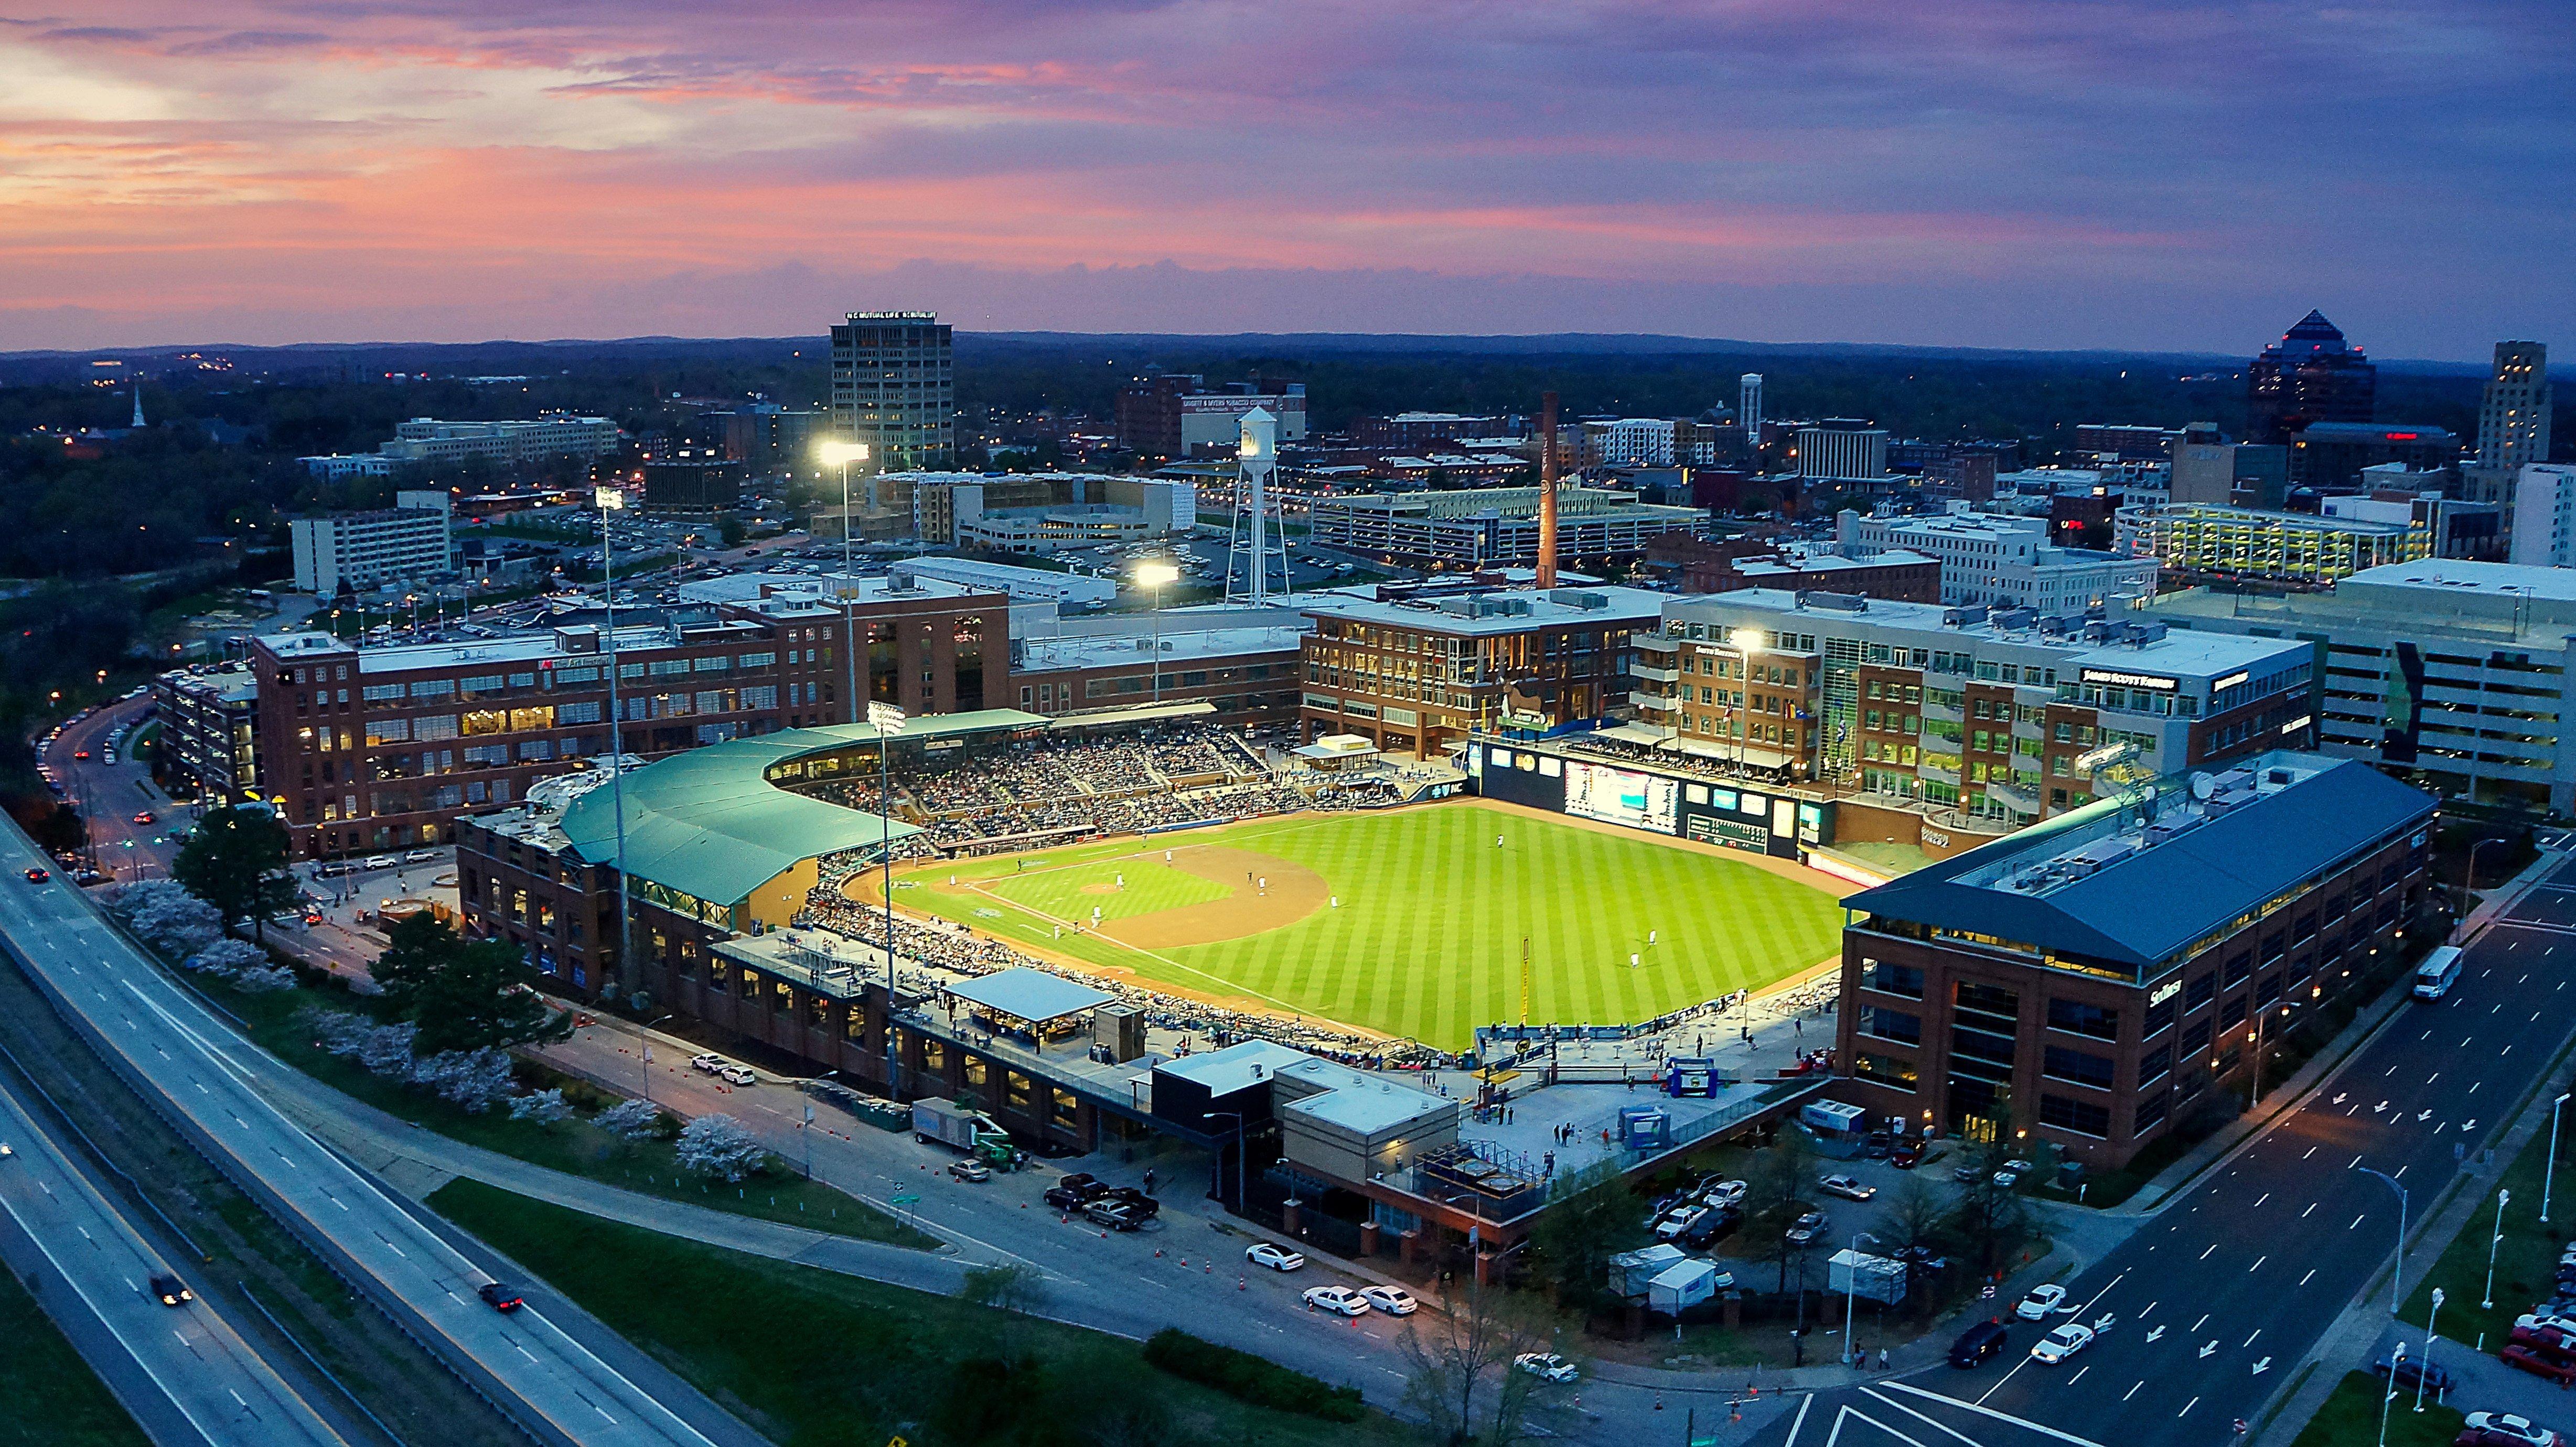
1242	664
894	388
2001	713
408	542
428	441
1422	431
2310	375
1996	559
768	437
381	747
2513	415
2094	983
1417	669
1174	415
210	729
1651	442
2544	515
1840	449
2326	455
2452	675
1696	565
2128	441
699	486
1496	526
2198	541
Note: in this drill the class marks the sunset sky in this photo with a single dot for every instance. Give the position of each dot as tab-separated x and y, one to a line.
2085	173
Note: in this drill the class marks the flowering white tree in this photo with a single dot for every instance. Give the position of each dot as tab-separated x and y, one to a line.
227	958
474	1080
265	977
386	1049
545	1107
719	1146
632	1120
168	918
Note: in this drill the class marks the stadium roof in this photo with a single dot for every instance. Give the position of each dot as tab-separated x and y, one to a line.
1032	995
2138	906
710	824
1223	1072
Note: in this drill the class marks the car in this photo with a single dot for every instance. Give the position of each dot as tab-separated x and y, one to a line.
970	1170
1722	1193
1878	1145
1112	1214
708	1063
1679	1222
378	861
37	876
1340	1300
2490	1437
2412	1375
1074	1192
1978	1345
2514	1428
171	1290
2545	1339
1547	1366
1714	1225
1806	1228
1138	1204
1393	1300
81	754
1847	1187
1921	1258
2061	1343
1907	1155
499	1296
2559	1321
1277	1258
2043	1303
1966	1175
2549	1365
737	1075
146	817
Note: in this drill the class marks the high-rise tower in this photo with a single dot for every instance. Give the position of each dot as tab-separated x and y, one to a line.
2513	418
894	388
2310	375
1748	406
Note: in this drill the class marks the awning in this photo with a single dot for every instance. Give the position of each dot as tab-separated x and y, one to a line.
1031	995
1631	733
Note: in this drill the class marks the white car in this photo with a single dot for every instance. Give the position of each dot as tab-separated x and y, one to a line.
2062	1343
1847	1187
1725	1193
737	1075
2545	1320
1393	1300
1547	1366
2043	1303
2512	1425
707	1064
1277	1258
1678	1222
1340	1300
379	861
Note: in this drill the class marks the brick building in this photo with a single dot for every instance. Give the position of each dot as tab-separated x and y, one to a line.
1698	565
2095	981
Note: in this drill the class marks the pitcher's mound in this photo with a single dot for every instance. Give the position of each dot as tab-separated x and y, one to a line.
1291	893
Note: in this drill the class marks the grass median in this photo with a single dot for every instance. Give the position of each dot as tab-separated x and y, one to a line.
2351	1414
2526	1257
808	1356
575	1147
53	1396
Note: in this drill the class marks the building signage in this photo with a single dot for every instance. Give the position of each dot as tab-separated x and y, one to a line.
2164	992
2117	679
2230	681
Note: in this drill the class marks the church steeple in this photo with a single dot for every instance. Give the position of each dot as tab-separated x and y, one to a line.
138	404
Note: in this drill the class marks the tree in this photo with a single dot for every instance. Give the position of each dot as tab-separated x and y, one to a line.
631	1120
1014	1288
1573	1242
235	860
545	1107
472	1080
1991	1217
463	994
1911	1225
167	917
719	1146
731	531
226	958
1459	1368
1776	1195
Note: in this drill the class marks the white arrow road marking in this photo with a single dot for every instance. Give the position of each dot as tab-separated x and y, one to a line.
2262	1366
2210	1350
2151	1336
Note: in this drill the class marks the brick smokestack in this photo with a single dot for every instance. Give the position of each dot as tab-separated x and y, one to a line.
1547	490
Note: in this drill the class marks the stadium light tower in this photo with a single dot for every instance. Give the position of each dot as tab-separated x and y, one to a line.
612	500
1157	576
841	455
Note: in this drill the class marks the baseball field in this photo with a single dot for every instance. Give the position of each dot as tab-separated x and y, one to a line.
1410	922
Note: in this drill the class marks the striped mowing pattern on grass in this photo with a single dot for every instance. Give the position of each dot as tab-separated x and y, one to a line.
1427	939
1073	892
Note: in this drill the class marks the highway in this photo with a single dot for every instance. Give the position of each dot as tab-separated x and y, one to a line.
183	1372
194	1070
2222	1294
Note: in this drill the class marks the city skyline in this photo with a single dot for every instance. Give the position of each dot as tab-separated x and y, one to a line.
2131	176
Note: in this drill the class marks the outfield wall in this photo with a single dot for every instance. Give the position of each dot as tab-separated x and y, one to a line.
1637	796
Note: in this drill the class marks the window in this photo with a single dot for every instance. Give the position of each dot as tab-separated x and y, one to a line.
2157	1018
2232	1013
1887	1070
2238	968
2076	1065
1891	979
2198	992
1887	1024
2150	1114
1989	1000
2081	1117
2155	1063
2080	1018
1060	1105
1016	1088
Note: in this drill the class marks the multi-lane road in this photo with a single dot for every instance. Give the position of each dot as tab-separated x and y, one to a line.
2220	1296
195	1071
182	1371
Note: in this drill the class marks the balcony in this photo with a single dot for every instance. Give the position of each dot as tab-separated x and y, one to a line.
1645	670
1654	703
1664	643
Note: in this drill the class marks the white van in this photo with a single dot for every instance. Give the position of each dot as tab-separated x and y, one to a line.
2439	972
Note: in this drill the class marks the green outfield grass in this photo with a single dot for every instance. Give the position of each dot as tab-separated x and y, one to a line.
1427	938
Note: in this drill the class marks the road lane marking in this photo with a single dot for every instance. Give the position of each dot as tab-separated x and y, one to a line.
1983	1411
2312	1206
2133	1391
1803	1404
2186	1409
2205	1254
2195	1326
2304	1280
1935	1425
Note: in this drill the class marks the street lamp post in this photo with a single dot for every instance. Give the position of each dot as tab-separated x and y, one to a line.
2469	877
1240	1201
1158	576
2553	1158
888	720
2396	1359
648	1056
2397	1268
609	500
2494	1240
2260	1018
1851	1296
2427	1369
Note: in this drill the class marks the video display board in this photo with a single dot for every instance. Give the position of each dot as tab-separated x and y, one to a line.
1621	796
